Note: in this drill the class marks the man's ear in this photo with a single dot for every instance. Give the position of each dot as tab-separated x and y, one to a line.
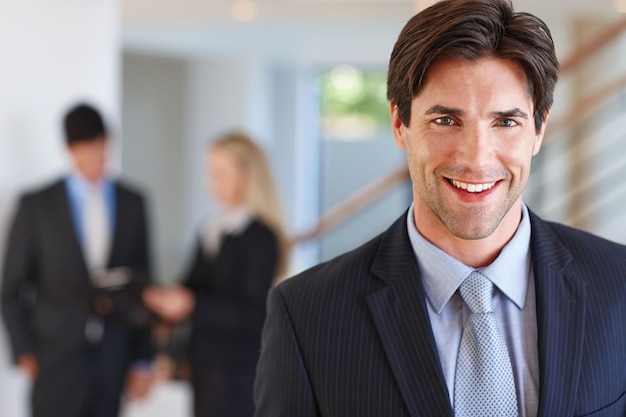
542	132
397	126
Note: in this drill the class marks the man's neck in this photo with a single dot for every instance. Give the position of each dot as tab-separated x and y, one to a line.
87	180
477	252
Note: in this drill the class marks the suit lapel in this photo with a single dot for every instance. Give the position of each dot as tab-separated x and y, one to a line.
117	237
65	218
401	317
560	301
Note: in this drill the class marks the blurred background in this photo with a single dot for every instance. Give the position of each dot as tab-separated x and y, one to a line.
306	79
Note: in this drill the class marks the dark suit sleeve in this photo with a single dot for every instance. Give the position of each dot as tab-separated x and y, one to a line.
257	260
144	247
143	348
131	249
282	387
20	270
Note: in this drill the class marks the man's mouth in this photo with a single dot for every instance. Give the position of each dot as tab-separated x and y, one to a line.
472	188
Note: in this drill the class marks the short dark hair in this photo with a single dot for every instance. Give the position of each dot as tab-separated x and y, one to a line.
472	29
83	123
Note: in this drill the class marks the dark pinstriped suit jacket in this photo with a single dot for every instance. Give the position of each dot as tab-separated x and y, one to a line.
352	338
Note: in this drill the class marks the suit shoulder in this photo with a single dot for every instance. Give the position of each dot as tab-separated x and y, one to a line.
346	269
597	260
259	228
324	293
43	192
258	237
129	189
131	196
578	240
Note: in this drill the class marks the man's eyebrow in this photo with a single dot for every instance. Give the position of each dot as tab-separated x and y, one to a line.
439	109
510	113
451	111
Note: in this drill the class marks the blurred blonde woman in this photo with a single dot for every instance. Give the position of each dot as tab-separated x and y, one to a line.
237	257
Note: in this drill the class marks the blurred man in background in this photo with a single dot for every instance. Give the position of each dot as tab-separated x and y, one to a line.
76	258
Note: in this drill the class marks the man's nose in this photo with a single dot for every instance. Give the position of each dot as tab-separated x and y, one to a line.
476	146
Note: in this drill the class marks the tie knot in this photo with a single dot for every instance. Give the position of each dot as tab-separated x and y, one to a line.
476	292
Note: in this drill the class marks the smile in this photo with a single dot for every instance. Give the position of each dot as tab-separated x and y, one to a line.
472	188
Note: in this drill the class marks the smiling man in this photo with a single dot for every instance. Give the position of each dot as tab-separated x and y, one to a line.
469	304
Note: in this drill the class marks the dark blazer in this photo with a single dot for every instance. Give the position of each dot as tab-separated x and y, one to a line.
230	290
47	298
352	337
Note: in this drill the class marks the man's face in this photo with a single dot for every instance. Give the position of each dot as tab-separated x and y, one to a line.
90	158
469	146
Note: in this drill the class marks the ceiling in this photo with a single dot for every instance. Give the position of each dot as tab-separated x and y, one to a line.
277	11
200	27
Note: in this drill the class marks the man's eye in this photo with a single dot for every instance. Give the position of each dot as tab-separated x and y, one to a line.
446	121
507	123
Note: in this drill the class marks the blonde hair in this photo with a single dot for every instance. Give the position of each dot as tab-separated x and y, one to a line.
260	194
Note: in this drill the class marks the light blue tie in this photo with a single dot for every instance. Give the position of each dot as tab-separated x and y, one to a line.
484	385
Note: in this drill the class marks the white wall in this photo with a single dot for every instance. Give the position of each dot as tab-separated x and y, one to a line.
53	52
153	112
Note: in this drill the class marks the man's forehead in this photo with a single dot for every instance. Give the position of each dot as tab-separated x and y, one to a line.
462	66
454	84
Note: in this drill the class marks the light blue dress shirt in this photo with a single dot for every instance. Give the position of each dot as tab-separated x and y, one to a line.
513	305
76	191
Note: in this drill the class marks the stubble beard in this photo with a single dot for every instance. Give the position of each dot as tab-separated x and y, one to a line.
467	223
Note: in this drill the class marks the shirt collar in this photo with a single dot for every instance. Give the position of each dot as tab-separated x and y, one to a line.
79	184
442	274
510	270
235	221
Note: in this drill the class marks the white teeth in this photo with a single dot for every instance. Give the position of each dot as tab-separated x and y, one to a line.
472	188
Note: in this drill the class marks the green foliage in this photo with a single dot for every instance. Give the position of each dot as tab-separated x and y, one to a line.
347	91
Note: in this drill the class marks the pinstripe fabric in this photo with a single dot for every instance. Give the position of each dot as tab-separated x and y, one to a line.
352	338
581	315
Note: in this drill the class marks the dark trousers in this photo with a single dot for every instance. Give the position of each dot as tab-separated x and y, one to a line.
86	383
222	393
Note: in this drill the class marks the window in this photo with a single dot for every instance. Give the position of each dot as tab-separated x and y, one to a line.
353	104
